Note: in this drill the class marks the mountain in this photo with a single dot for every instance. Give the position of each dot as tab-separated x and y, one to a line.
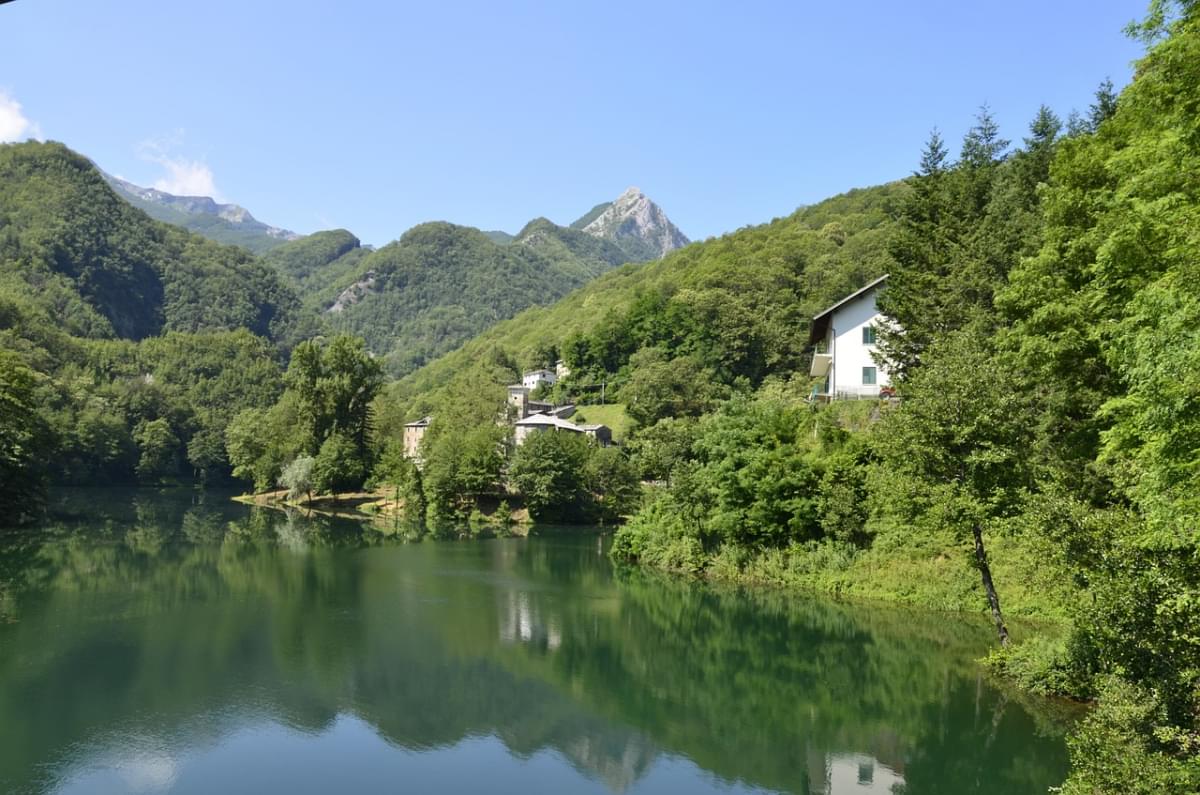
636	224
313	263
441	284
223	223
72	247
741	301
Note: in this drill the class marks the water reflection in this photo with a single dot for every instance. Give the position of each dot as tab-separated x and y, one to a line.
172	642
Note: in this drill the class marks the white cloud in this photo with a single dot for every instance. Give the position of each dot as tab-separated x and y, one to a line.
182	176
14	125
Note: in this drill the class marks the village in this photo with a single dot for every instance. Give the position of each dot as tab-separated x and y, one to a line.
845	366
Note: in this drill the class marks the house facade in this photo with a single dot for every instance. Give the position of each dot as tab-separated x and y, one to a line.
845	336
414	432
535	378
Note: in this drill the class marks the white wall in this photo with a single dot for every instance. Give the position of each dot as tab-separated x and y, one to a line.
531	380
850	356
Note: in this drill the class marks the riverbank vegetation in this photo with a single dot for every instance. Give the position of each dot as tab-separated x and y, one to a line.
1040	460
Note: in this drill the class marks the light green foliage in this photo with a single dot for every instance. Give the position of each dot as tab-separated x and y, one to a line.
1119	748
612	415
260	442
752	477
740	303
297	477
961	432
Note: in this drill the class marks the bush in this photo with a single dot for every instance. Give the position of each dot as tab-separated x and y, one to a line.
297	478
1119	748
338	466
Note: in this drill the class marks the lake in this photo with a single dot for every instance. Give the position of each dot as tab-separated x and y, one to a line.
174	641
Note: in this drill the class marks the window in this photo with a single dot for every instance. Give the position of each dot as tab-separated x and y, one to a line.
868	335
868	375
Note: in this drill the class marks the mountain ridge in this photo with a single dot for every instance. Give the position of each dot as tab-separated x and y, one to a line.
221	222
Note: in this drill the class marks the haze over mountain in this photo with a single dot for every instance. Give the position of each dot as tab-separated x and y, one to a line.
224	223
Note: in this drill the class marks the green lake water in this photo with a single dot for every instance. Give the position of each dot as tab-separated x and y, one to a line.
177	642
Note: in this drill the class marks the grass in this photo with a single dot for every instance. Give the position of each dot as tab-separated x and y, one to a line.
611	414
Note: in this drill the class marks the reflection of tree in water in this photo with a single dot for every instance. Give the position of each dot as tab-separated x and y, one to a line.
165	610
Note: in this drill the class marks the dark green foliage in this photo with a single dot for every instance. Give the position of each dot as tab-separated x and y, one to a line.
339	465
441	284
393	469
548	470
564	477
462	463
105	269
334	383
660	387
24	442
315	262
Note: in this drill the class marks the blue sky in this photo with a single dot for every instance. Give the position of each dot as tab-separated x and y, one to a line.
377	116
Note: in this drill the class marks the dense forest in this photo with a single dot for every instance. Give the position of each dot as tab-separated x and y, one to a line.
441	284
1040	460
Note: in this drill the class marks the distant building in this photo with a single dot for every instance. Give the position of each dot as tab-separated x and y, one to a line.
522	406
414	432
845	339
540	423
561	370
535	378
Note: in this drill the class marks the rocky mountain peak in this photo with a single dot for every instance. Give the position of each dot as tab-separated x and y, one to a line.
237	216
634	219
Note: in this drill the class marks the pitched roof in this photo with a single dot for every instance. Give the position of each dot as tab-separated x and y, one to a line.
540	420
545	419
421	423
820	321
857	293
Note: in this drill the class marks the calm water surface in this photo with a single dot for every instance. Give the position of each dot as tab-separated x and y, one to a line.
173	642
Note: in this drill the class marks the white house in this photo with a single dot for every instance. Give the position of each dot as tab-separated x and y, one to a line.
535	378
844	335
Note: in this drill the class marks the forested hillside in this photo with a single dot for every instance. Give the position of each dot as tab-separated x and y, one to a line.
441	284
102	268
126	344
315	263
738	305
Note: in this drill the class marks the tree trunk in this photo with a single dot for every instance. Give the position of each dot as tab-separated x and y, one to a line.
985	572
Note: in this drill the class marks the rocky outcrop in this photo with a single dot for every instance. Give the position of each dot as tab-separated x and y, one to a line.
638	225
190	211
